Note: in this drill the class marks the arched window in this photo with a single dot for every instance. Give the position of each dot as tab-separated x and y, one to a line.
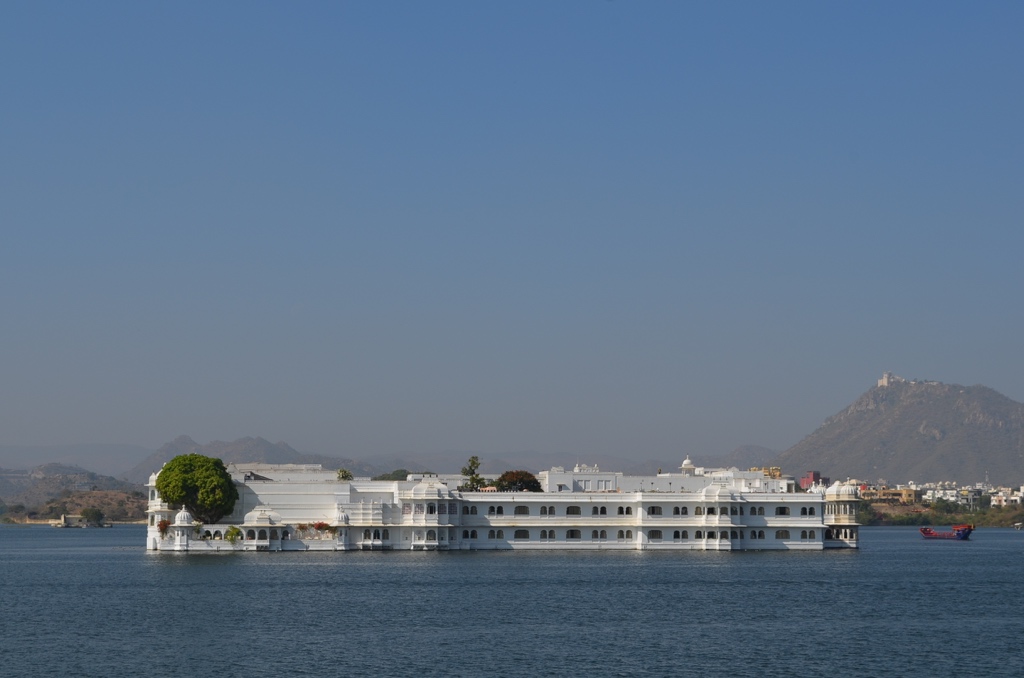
522	534
620	535
760	510
501	534
604	534
810	535
803	510
629	510
472	534
217	535
543	535
683	511
543	510
698	535
573	511
810	511
782	534
733	511
684	535
709	535
629	534
465	510
385	535
573	534
376	534
472	510
723	534
490	534
465	534
593	511
273	534
604	510
711	510
431	535
522	510
782	510
501	510
622	511
431	509
699	511
551	510
654	535
735	535
594	534
654	510
490	510
760	533
367	534
675	534
251	534
675	510
803	534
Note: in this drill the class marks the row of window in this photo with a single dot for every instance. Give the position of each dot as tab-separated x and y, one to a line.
653	535
430	509
524	510
570	535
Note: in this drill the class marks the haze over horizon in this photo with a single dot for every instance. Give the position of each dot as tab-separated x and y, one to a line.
644	230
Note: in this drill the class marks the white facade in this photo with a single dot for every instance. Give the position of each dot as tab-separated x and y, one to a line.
303	507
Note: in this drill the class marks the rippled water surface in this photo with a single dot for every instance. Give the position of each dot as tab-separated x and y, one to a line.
94	603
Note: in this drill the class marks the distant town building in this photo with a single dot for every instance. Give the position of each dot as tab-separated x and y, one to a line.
812	478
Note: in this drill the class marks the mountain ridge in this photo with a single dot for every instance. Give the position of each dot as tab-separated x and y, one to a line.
925	431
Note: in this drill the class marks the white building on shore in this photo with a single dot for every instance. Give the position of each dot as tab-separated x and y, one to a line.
293	507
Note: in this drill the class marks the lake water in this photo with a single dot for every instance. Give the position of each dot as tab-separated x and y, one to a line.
94	603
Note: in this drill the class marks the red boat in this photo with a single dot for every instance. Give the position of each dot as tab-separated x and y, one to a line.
959	532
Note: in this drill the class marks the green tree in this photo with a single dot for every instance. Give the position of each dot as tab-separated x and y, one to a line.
517	481
233	534
92	516
201	483
471	470
345	474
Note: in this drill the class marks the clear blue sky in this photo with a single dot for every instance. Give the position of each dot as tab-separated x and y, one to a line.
648	229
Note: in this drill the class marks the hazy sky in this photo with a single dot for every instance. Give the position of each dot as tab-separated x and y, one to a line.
646	229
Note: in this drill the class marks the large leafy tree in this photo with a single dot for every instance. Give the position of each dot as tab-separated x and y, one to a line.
517	481
201	483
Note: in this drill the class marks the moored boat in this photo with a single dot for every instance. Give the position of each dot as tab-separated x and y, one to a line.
959	532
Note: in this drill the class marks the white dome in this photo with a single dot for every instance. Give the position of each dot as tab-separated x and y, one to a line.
840	491
261	515
184	518
717	493
430	490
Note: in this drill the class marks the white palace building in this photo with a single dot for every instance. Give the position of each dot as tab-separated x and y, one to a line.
297	507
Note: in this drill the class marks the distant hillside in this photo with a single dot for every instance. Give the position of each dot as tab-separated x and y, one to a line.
745	457
43	483
105	459
243	450
918	430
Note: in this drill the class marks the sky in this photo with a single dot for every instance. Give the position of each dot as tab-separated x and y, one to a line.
638	229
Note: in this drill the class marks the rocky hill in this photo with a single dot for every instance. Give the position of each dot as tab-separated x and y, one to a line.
42	483
242	450
918	430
